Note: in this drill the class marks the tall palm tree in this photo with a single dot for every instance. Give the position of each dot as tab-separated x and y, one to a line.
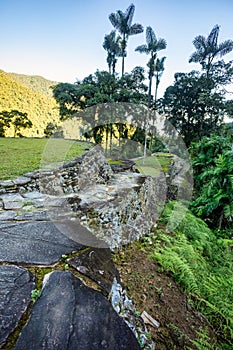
152	46
159	68
112	45
207	49
123	23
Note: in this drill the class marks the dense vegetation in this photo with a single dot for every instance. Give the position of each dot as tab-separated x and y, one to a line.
202	264
39	108
35	83
213	174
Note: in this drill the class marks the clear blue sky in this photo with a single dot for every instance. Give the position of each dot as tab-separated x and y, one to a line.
62	39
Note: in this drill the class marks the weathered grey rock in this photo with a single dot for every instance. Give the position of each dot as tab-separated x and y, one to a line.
124	209
76	232
22	180
34	242
71	316
16	284
7	215
12	201
94	168
126	309
40	215
6	183
181	178
34	195
97	264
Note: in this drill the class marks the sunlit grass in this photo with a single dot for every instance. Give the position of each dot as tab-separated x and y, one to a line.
152	165
21	155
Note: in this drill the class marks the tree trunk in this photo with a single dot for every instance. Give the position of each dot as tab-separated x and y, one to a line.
123	47
146	133
148	114
156	89
123	65
220	221
154	114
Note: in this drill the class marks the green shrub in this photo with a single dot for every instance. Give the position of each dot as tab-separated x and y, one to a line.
202	264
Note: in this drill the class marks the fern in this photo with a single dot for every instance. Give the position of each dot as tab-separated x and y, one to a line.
202	265
171	261
202	342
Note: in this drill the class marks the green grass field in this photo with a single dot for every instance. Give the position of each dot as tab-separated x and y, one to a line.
21	155
152	165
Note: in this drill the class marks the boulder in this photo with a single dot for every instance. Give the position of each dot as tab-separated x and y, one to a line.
16	284
68	315
97	264
40	242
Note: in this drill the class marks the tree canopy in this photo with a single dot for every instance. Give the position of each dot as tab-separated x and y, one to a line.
17	119
122	21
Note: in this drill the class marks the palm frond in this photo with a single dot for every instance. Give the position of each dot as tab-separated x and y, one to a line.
195	57
114	19
212	39
136	28
129	13
199	42
161	44
143	49
150	36
159	64
225	47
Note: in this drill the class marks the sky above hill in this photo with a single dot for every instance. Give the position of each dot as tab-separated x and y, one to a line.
62	40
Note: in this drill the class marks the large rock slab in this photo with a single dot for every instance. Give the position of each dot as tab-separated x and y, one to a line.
16	284
97	264
40	242
94	168
71	316
12	201
8	215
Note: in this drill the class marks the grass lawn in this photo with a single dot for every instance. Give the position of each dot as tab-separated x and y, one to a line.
152	165
21	155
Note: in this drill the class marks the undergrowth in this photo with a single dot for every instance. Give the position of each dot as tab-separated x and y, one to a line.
202	264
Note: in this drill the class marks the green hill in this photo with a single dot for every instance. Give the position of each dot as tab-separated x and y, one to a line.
35	83
40	108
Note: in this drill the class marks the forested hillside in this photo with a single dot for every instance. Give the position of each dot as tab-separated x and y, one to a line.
35	83
40	108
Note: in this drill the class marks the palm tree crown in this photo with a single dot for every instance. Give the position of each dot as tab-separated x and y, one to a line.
207	49
152	46
123	23
112	45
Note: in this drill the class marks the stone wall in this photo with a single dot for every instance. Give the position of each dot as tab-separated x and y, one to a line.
118	207
67	178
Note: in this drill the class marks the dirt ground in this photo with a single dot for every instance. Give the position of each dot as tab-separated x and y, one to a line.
155	292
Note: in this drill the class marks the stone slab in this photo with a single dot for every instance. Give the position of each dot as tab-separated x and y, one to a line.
22	180
6	183
16	284
33	195
7	215
71	316
97	264
12	201
37	242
